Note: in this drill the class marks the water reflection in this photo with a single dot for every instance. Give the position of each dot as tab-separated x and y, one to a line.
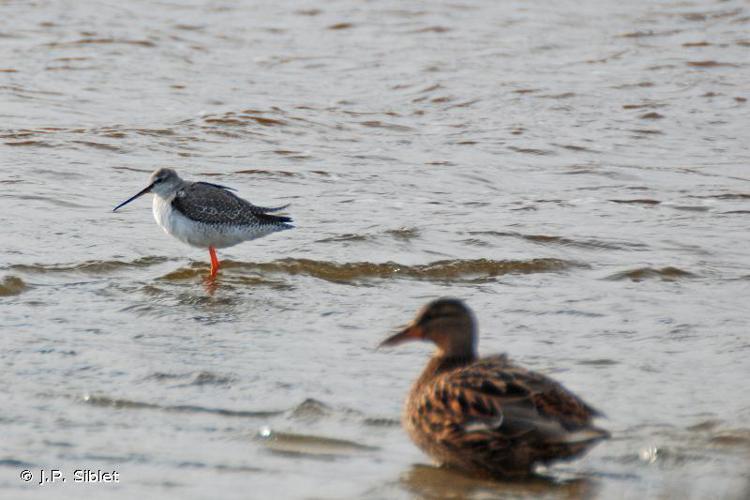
427	482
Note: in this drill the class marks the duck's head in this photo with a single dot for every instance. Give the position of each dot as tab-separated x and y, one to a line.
163	182
446	322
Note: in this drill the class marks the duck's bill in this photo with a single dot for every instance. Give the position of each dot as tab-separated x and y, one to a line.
145	190
411	332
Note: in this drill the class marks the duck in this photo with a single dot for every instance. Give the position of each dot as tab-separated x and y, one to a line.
487	416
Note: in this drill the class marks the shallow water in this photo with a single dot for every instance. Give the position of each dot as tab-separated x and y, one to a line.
577	171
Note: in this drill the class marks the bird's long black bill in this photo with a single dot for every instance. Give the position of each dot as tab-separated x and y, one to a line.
141	193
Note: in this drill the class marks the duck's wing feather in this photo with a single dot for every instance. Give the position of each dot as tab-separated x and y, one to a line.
214	204
493	402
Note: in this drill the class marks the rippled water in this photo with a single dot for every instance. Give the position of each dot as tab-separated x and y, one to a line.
577	171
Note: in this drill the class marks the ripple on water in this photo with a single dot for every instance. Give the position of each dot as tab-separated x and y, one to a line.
30	143
400	234
669	273
471	270
270	173
638	201
311	409
344	238
12	285
466	270
243	469
89	266
309	445
127	404
245	118
192	378
403	233
545	239
735	438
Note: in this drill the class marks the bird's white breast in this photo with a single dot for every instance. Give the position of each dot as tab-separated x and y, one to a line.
200	234
176	224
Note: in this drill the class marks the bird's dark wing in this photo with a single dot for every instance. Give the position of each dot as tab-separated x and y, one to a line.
491	404
221	186
258	208
214	204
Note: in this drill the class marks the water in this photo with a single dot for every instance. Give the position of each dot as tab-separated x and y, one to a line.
576	171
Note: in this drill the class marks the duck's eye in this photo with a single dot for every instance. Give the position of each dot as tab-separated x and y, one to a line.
431	316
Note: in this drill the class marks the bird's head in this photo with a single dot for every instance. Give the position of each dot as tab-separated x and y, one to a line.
446	322
163	182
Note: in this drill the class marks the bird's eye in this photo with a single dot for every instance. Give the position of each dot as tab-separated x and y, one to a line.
158	180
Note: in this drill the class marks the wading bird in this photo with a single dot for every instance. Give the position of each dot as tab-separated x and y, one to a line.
207	215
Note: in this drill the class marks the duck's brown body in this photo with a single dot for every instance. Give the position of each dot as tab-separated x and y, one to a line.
494	418
488	416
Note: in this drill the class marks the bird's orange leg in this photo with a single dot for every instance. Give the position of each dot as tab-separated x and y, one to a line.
214	262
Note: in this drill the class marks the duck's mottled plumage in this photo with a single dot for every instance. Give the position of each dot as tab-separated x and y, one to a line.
488	416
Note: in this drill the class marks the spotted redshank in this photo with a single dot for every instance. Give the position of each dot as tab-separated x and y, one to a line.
207	215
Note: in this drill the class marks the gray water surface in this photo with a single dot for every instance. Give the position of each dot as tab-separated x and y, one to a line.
576	171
